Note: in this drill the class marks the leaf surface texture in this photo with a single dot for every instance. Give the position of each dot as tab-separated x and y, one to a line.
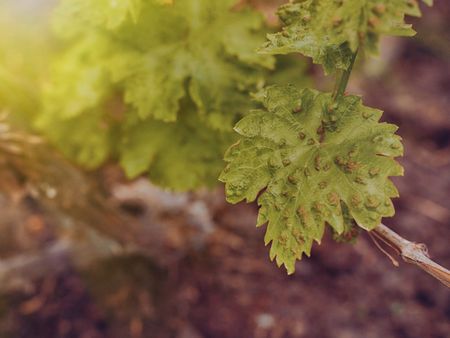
329	31
311	161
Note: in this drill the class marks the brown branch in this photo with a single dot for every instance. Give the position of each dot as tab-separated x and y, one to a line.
413	253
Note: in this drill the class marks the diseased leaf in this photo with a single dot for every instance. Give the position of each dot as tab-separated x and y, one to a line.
307	158
351	229
329	31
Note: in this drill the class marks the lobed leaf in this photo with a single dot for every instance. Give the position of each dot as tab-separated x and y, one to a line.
149	81
75	16
329	31
197	48
182	155
308	159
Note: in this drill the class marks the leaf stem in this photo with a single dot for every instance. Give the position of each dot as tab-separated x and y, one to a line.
342	79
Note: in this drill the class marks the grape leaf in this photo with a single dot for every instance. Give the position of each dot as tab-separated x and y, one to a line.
182	155
174	76
109	14
194	48
329	31
77	115
79	83
308	158
351	230
87	139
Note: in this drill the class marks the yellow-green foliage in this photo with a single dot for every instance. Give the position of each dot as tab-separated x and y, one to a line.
25	53
156	85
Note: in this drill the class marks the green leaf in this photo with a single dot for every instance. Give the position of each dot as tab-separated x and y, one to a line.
351	229
182	155
87	139
329	31
80	82
72	15
166	83
196	48
75	101
308	158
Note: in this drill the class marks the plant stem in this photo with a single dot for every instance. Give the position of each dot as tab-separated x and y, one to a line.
342	79
413	253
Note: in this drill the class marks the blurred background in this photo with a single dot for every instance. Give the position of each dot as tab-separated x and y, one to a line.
90	255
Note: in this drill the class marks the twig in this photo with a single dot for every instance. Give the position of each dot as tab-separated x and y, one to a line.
413	253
